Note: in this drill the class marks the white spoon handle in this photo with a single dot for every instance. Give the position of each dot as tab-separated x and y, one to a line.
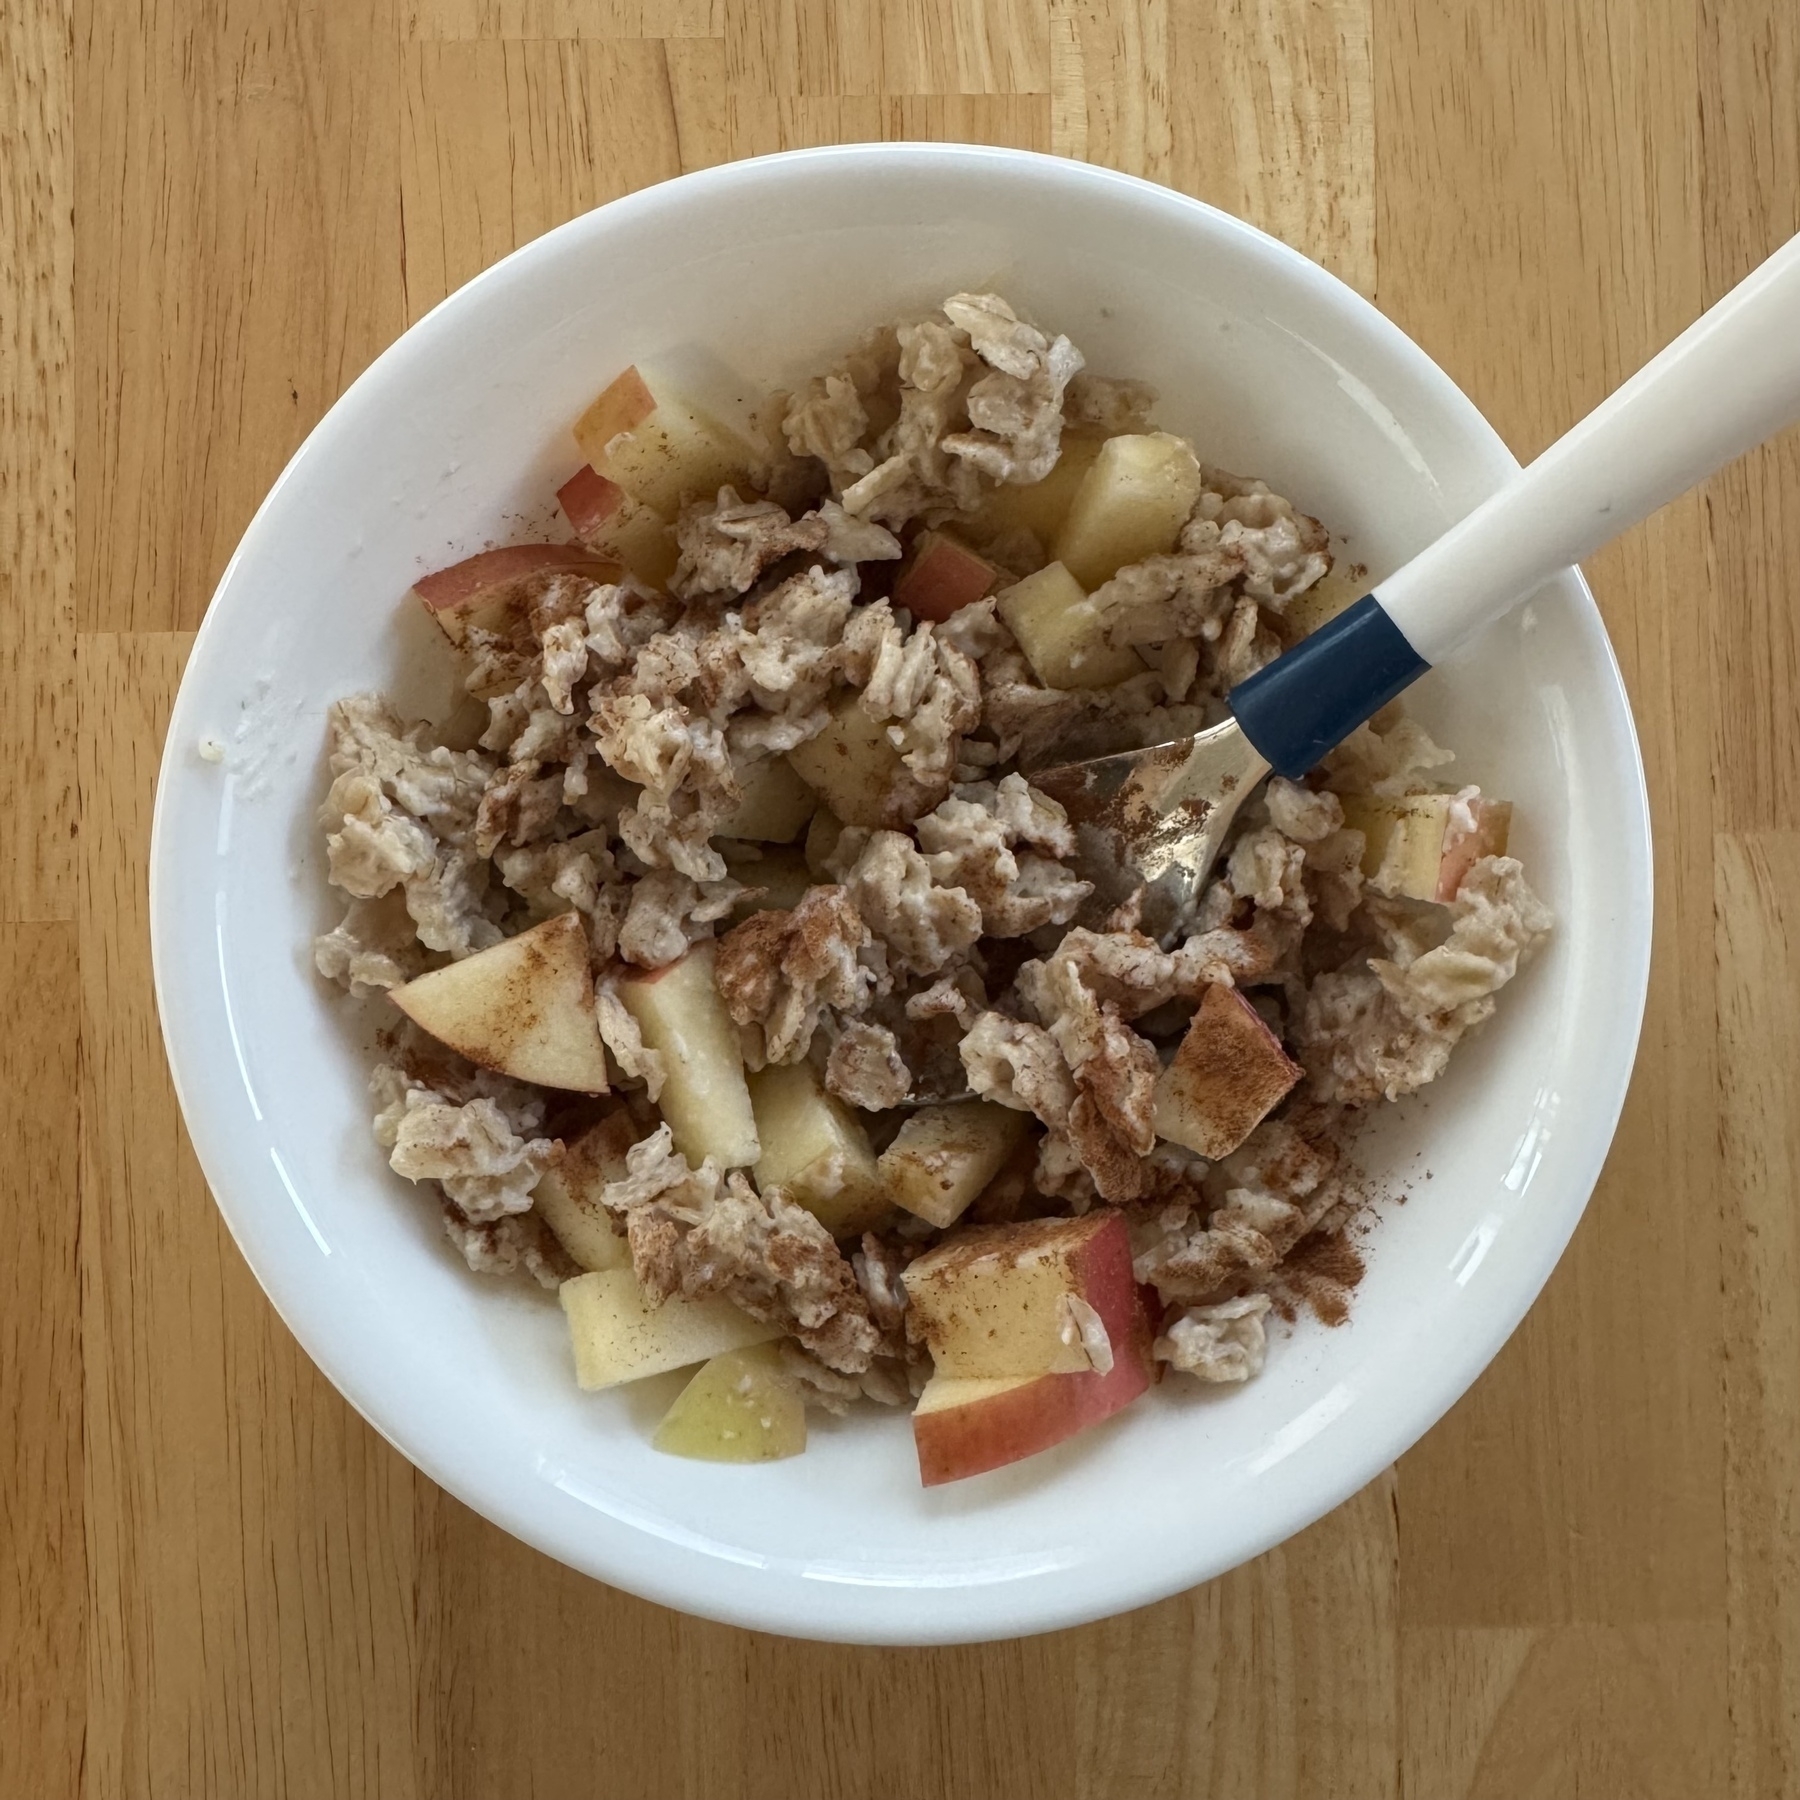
1728	382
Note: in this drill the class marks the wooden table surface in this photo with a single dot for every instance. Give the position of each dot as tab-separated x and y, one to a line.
214	1578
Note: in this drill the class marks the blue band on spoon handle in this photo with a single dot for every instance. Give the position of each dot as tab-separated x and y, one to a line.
1317	693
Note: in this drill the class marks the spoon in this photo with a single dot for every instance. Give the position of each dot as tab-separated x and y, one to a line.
1151	822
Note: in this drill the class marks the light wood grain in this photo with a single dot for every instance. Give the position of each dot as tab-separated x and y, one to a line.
37	469
43	1575
1586	1581
1525	224
1757	942
238	236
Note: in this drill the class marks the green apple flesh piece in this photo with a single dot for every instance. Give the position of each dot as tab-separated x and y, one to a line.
739	1408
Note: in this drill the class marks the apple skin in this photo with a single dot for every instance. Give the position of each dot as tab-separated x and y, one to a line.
658	445
494	588
1464	849
613	525
622	405
942	576
1416	844
966	1427
588	499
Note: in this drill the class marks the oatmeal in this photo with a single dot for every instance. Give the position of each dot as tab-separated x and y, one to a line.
749	992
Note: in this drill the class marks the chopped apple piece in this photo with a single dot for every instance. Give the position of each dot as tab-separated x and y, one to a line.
945	1155
1228	1074
814	1146
618	1335
822	841
855	770
524	1007
612	524
704	1097
999	1300
966	1425
776	803
659	446
1338	588
567	1196
1062	633
1041	506
740	1408
1422	847
494	590
941	576
778	879
1131	504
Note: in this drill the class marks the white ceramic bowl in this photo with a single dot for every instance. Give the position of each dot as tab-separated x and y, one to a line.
456	438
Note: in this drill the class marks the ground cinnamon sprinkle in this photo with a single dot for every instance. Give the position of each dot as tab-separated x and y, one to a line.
1323	1271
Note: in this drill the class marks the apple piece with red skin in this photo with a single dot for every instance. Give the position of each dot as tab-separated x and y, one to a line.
496	588
996	1302
1484	833
524	1006
1421	846
612	524
967	1425
943	575
1228	1075
659	445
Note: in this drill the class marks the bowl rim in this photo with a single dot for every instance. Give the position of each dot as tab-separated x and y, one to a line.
816	1615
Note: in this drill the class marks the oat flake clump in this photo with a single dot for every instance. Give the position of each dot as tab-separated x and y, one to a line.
770	737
